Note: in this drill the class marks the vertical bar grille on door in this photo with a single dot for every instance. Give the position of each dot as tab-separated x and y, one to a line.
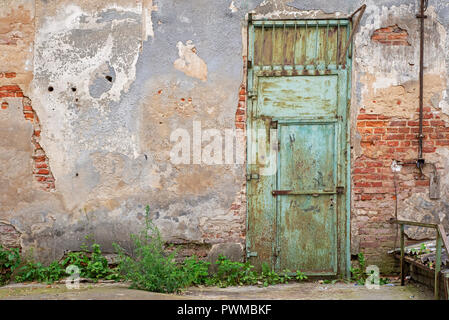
299	44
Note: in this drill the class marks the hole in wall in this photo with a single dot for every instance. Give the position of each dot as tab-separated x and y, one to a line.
50	88
73	89
102	80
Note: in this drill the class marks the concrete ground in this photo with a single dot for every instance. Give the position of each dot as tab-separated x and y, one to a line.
311	290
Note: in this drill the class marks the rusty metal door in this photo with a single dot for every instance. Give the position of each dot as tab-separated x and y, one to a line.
298	159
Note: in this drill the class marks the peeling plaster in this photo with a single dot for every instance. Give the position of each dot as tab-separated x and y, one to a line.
72	49
389	72
147	8
17	26
189	62
232	7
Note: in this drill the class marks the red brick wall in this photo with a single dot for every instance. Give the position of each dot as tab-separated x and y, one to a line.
240	114
7	74
238	207
374	181
388	125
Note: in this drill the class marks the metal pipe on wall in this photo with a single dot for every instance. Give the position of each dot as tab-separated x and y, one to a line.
420	161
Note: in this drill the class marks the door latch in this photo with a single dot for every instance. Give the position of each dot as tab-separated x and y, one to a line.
252	95
340	190
250	254
252	176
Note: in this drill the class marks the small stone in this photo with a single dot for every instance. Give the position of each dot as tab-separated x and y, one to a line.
233	251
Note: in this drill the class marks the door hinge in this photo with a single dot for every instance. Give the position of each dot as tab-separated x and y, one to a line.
250	254
277	252
252	95
250	64
273	124
252	176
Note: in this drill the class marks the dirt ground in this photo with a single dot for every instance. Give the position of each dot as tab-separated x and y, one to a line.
311	290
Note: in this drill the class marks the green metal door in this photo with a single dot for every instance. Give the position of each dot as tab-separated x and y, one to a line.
298	159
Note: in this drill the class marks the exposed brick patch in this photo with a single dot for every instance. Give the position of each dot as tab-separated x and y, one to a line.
238	207
9	236
234	229
384	139
240	114
7	75
41	171
237	231
392	35
187	250
396	140
10	91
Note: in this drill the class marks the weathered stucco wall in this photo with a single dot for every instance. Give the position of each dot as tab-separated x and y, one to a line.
111	82
93	92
